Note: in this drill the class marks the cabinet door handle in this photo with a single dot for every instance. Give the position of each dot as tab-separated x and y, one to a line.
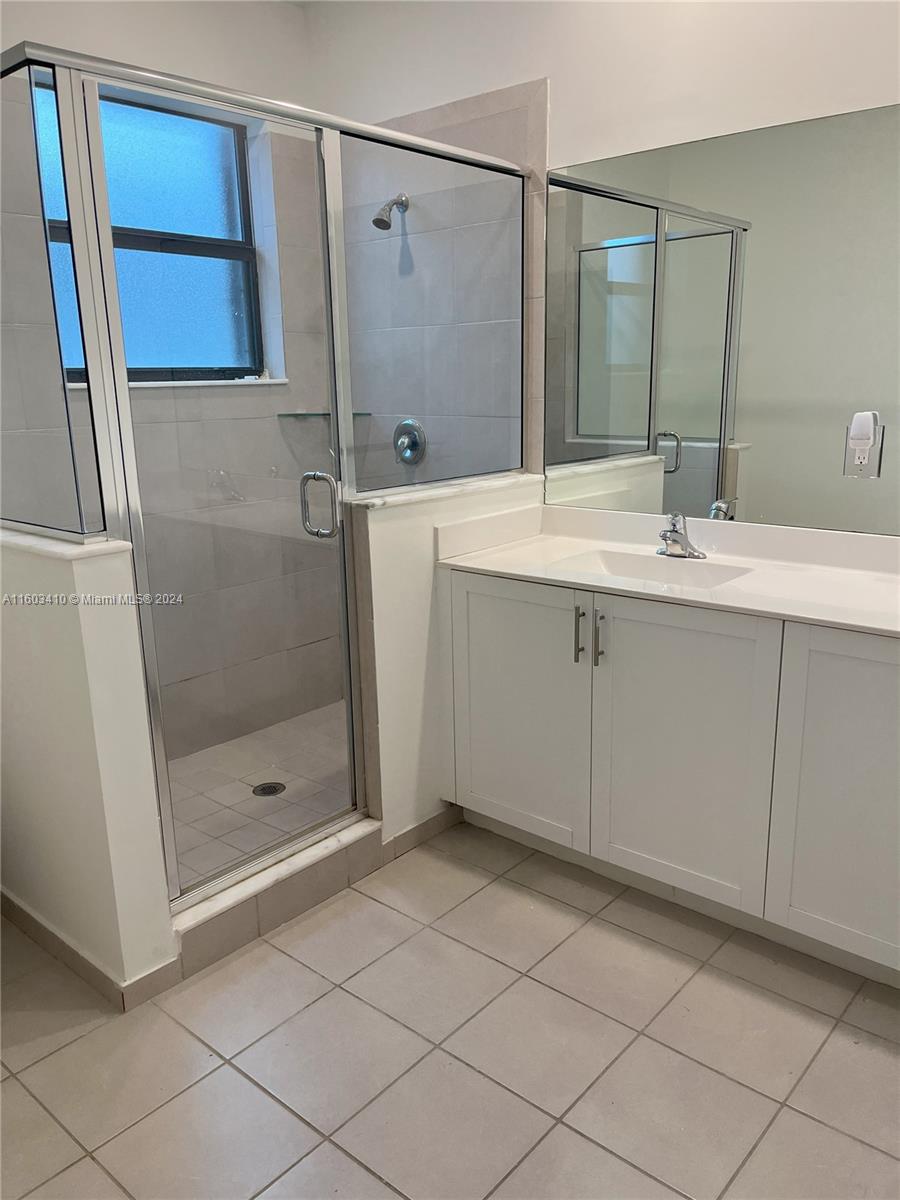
598	648
579	617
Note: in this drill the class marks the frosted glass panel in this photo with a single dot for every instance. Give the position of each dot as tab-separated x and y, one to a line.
67	321
182	310
170	172
50	156
48	463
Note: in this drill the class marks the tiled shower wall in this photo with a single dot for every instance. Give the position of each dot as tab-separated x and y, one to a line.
435	314
256	639
38	478
510	123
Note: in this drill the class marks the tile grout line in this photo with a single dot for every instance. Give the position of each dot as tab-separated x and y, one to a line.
784	1102
519	974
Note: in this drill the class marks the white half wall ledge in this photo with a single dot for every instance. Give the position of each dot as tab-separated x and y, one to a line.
409	626
81	845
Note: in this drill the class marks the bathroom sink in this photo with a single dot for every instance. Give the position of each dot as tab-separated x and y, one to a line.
682	572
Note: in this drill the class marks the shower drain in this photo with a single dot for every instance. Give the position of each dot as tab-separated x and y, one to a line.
268	789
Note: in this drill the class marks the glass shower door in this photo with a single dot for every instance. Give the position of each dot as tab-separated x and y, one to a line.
691	385
214	241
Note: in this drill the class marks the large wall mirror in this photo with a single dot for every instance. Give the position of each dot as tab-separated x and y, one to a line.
717	312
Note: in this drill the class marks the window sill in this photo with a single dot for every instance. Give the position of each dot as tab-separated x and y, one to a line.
192	383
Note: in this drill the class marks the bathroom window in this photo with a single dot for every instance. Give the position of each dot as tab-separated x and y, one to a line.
179	202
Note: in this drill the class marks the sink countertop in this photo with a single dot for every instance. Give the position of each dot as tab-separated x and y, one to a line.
867	601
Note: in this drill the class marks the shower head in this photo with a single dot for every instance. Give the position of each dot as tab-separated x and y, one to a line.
382	219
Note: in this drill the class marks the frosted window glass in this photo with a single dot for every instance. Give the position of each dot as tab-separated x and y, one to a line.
67	320
169	172
183	310
49	154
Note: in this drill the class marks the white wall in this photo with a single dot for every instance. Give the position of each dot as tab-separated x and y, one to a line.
81	839
623	76
252	47
411	629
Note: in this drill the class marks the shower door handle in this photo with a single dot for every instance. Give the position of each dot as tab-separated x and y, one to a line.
306	479
677	436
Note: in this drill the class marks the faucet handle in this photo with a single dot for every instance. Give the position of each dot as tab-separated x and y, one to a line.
676	523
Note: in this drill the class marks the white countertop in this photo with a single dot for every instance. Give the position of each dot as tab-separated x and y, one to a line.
864	600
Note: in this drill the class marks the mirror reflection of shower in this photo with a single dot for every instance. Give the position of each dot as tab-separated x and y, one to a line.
382	219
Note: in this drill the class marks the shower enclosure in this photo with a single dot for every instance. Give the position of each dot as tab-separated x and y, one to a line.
209	346
643	324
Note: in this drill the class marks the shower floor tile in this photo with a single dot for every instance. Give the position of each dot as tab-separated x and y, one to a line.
218	819
289	1069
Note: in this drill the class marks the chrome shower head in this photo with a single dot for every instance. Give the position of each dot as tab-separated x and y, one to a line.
382	219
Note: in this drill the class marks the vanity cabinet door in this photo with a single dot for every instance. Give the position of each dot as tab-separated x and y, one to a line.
522	704
684	710
834	864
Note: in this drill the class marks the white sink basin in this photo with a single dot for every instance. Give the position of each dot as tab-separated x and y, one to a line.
682	572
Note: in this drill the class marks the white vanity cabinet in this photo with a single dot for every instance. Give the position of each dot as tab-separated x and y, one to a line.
834	860
684	709
522	704
639	732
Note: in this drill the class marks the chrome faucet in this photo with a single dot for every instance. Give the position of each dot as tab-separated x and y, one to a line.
722	509
676	543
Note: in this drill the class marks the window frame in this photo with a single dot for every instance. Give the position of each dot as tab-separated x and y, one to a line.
157	241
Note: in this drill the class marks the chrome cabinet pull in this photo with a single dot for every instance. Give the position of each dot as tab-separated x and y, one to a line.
307	478
598	649
677	436
579	617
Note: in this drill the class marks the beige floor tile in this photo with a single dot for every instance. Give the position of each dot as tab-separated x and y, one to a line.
567	882
512	923
260	807
211	856
620	973
424	883
480	847
34	1146
104	1082
752	1035
343	935
854	1084
47	1009
194	807
225	820
268	775
462	1132
678	1121
252	836
691	933
18	953
332	1058
236	1001
328	1172
223	1137
189	838
797	976
293	817
799	1159
566	1166
431	983
540	1044
83	1181
234	792
876	1009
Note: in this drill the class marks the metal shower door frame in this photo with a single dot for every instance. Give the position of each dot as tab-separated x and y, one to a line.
79	78
738	228
126	470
